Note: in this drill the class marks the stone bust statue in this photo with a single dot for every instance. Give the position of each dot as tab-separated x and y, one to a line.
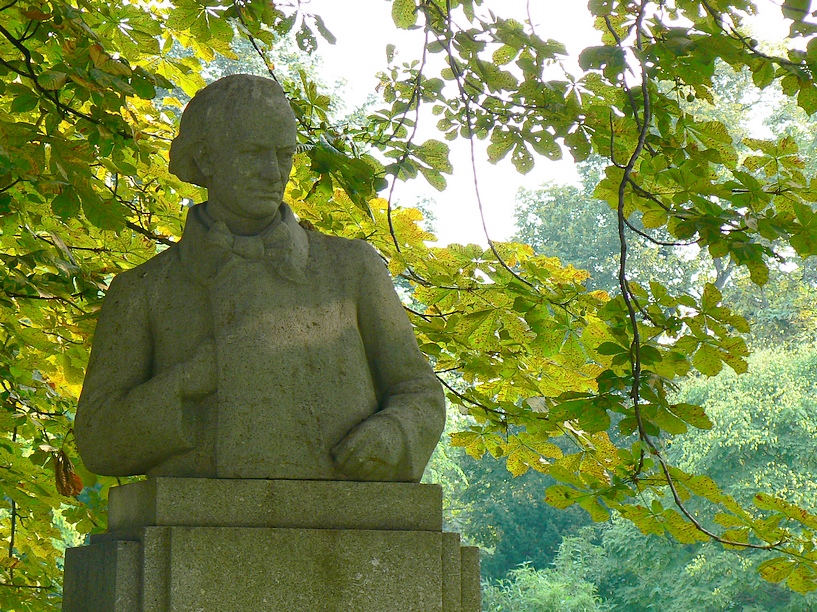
254	348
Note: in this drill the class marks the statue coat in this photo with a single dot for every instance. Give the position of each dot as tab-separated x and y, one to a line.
305	350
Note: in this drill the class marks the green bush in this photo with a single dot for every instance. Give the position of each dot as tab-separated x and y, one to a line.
562	588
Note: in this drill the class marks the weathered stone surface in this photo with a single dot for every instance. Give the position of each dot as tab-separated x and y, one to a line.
452	573
471	591
380	547
275	503
103	578
156	569
304	570
259	569
253	348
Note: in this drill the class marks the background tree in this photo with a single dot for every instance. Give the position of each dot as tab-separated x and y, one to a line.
506	517
763	436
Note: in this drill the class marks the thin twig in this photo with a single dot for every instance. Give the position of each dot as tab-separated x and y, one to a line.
470	401
745	41
13	520
466	99
635	345
416	99
148	234
655	240
238	10
9	186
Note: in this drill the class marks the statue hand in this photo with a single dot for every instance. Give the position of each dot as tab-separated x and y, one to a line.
373	450
200	373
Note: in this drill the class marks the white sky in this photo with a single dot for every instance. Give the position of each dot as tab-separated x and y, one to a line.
360	54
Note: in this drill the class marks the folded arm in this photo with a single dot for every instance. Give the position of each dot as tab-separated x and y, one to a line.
129	420
412	404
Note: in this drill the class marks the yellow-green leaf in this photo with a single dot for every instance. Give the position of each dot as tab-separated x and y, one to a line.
708	360
777	569
561	496
693	414
52	80
404	13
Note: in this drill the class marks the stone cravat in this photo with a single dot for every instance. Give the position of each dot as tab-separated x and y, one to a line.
282	252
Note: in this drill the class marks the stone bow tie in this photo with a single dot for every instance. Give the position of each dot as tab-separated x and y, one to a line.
274	248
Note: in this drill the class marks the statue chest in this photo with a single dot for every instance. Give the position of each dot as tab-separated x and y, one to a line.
293	374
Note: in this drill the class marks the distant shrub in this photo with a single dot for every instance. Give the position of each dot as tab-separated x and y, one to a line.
530	590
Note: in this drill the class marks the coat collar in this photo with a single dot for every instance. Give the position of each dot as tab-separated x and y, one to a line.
208	250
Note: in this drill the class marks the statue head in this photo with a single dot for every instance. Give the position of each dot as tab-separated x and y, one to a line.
236	138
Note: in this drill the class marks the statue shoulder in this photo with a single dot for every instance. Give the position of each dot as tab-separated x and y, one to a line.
351	247
155	268
352	254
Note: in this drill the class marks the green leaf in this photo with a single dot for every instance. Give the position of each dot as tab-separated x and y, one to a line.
594	418
561	496
183	18
758	272
221	30
764	74
404	13
147	42
598	513
600	7
729	520
705	487
324	31
109	215
143	88
504	55
777	569
24	103
797	10
606	57
711	297
654	218
435	179
802	580
692	414
669	422
501	143
66	205
611	348
52	79
522	158
435	154
807	98
707	360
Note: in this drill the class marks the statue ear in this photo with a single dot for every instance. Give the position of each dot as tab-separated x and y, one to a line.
201	159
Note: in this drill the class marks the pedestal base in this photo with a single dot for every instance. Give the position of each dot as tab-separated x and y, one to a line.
254	545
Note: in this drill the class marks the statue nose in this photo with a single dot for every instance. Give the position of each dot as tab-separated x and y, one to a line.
273	170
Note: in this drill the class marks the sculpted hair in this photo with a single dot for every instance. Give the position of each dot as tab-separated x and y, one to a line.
216	107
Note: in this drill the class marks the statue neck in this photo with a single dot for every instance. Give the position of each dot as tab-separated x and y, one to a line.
241	226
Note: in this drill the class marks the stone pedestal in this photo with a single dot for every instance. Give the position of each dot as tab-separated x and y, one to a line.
206	545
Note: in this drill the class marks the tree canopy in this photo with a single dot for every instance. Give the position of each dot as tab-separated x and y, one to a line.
560	377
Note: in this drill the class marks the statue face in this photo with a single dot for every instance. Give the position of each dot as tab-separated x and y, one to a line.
247	163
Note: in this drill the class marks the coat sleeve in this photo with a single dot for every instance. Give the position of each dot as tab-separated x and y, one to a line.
409	392
128	420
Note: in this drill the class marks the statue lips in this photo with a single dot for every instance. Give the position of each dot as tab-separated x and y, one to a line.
267	192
